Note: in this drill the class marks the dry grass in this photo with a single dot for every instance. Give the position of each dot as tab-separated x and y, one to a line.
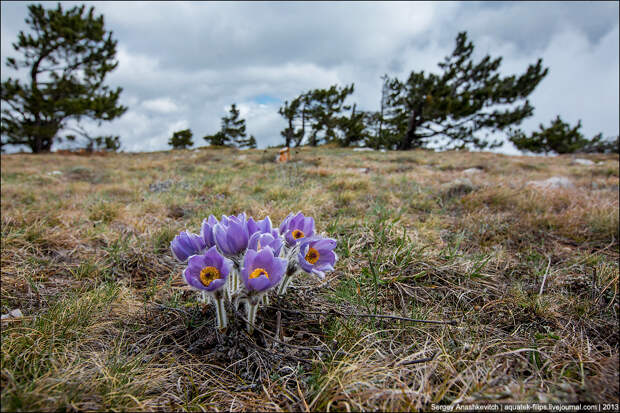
109	324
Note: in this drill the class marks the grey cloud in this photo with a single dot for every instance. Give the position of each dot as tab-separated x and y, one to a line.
233	34
183	63
531	26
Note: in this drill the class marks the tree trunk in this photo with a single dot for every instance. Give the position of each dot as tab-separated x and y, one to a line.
312	140
289	133
43	136
407	140
36	144
303	127
383	94
47	145
347	137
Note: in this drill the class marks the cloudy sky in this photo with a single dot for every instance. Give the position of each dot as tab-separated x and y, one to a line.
181	64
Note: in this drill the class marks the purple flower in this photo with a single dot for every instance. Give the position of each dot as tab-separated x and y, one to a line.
239	218
261	240
263	226
295	227
231	235
316	255
262	270
206	231
186	244
207	272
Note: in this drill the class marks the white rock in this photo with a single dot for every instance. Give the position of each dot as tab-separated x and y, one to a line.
382	150
359	170
55	173
553	183
362	149
472	171
580	161
458	187
16	313
461	181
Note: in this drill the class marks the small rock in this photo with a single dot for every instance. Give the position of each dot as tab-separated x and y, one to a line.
382	150
176	211
162	186
242	157
553	183
16	313
580	161
444	234
359	170
471	171
457	188
55	173
362	149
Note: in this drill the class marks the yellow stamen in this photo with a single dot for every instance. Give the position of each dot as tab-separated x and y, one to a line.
258	272
312	256
298	234
208	275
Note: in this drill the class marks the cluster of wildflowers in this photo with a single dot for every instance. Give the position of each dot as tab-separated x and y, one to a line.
242	260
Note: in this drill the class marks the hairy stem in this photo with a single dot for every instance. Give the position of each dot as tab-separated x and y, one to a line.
291	272
222	321
251	309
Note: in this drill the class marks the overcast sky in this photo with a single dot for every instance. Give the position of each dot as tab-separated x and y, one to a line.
181	64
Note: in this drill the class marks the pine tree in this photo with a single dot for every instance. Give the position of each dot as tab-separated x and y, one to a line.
559	137
466	98
232	132
293	113
218	139
324	107
251	142
598	144
375	136
353	128
233	127
181	139
68	56
318	110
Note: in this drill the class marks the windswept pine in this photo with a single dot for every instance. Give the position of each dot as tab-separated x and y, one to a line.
68	55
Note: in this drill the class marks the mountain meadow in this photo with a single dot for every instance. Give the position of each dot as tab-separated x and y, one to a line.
462	277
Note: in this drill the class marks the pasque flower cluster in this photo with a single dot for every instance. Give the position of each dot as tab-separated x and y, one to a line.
242	260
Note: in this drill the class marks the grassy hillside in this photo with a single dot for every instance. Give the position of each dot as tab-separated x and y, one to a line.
109	324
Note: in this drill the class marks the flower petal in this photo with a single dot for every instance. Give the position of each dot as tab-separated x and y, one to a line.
193	279
258	284
221	240
284	224
325	243
326	257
